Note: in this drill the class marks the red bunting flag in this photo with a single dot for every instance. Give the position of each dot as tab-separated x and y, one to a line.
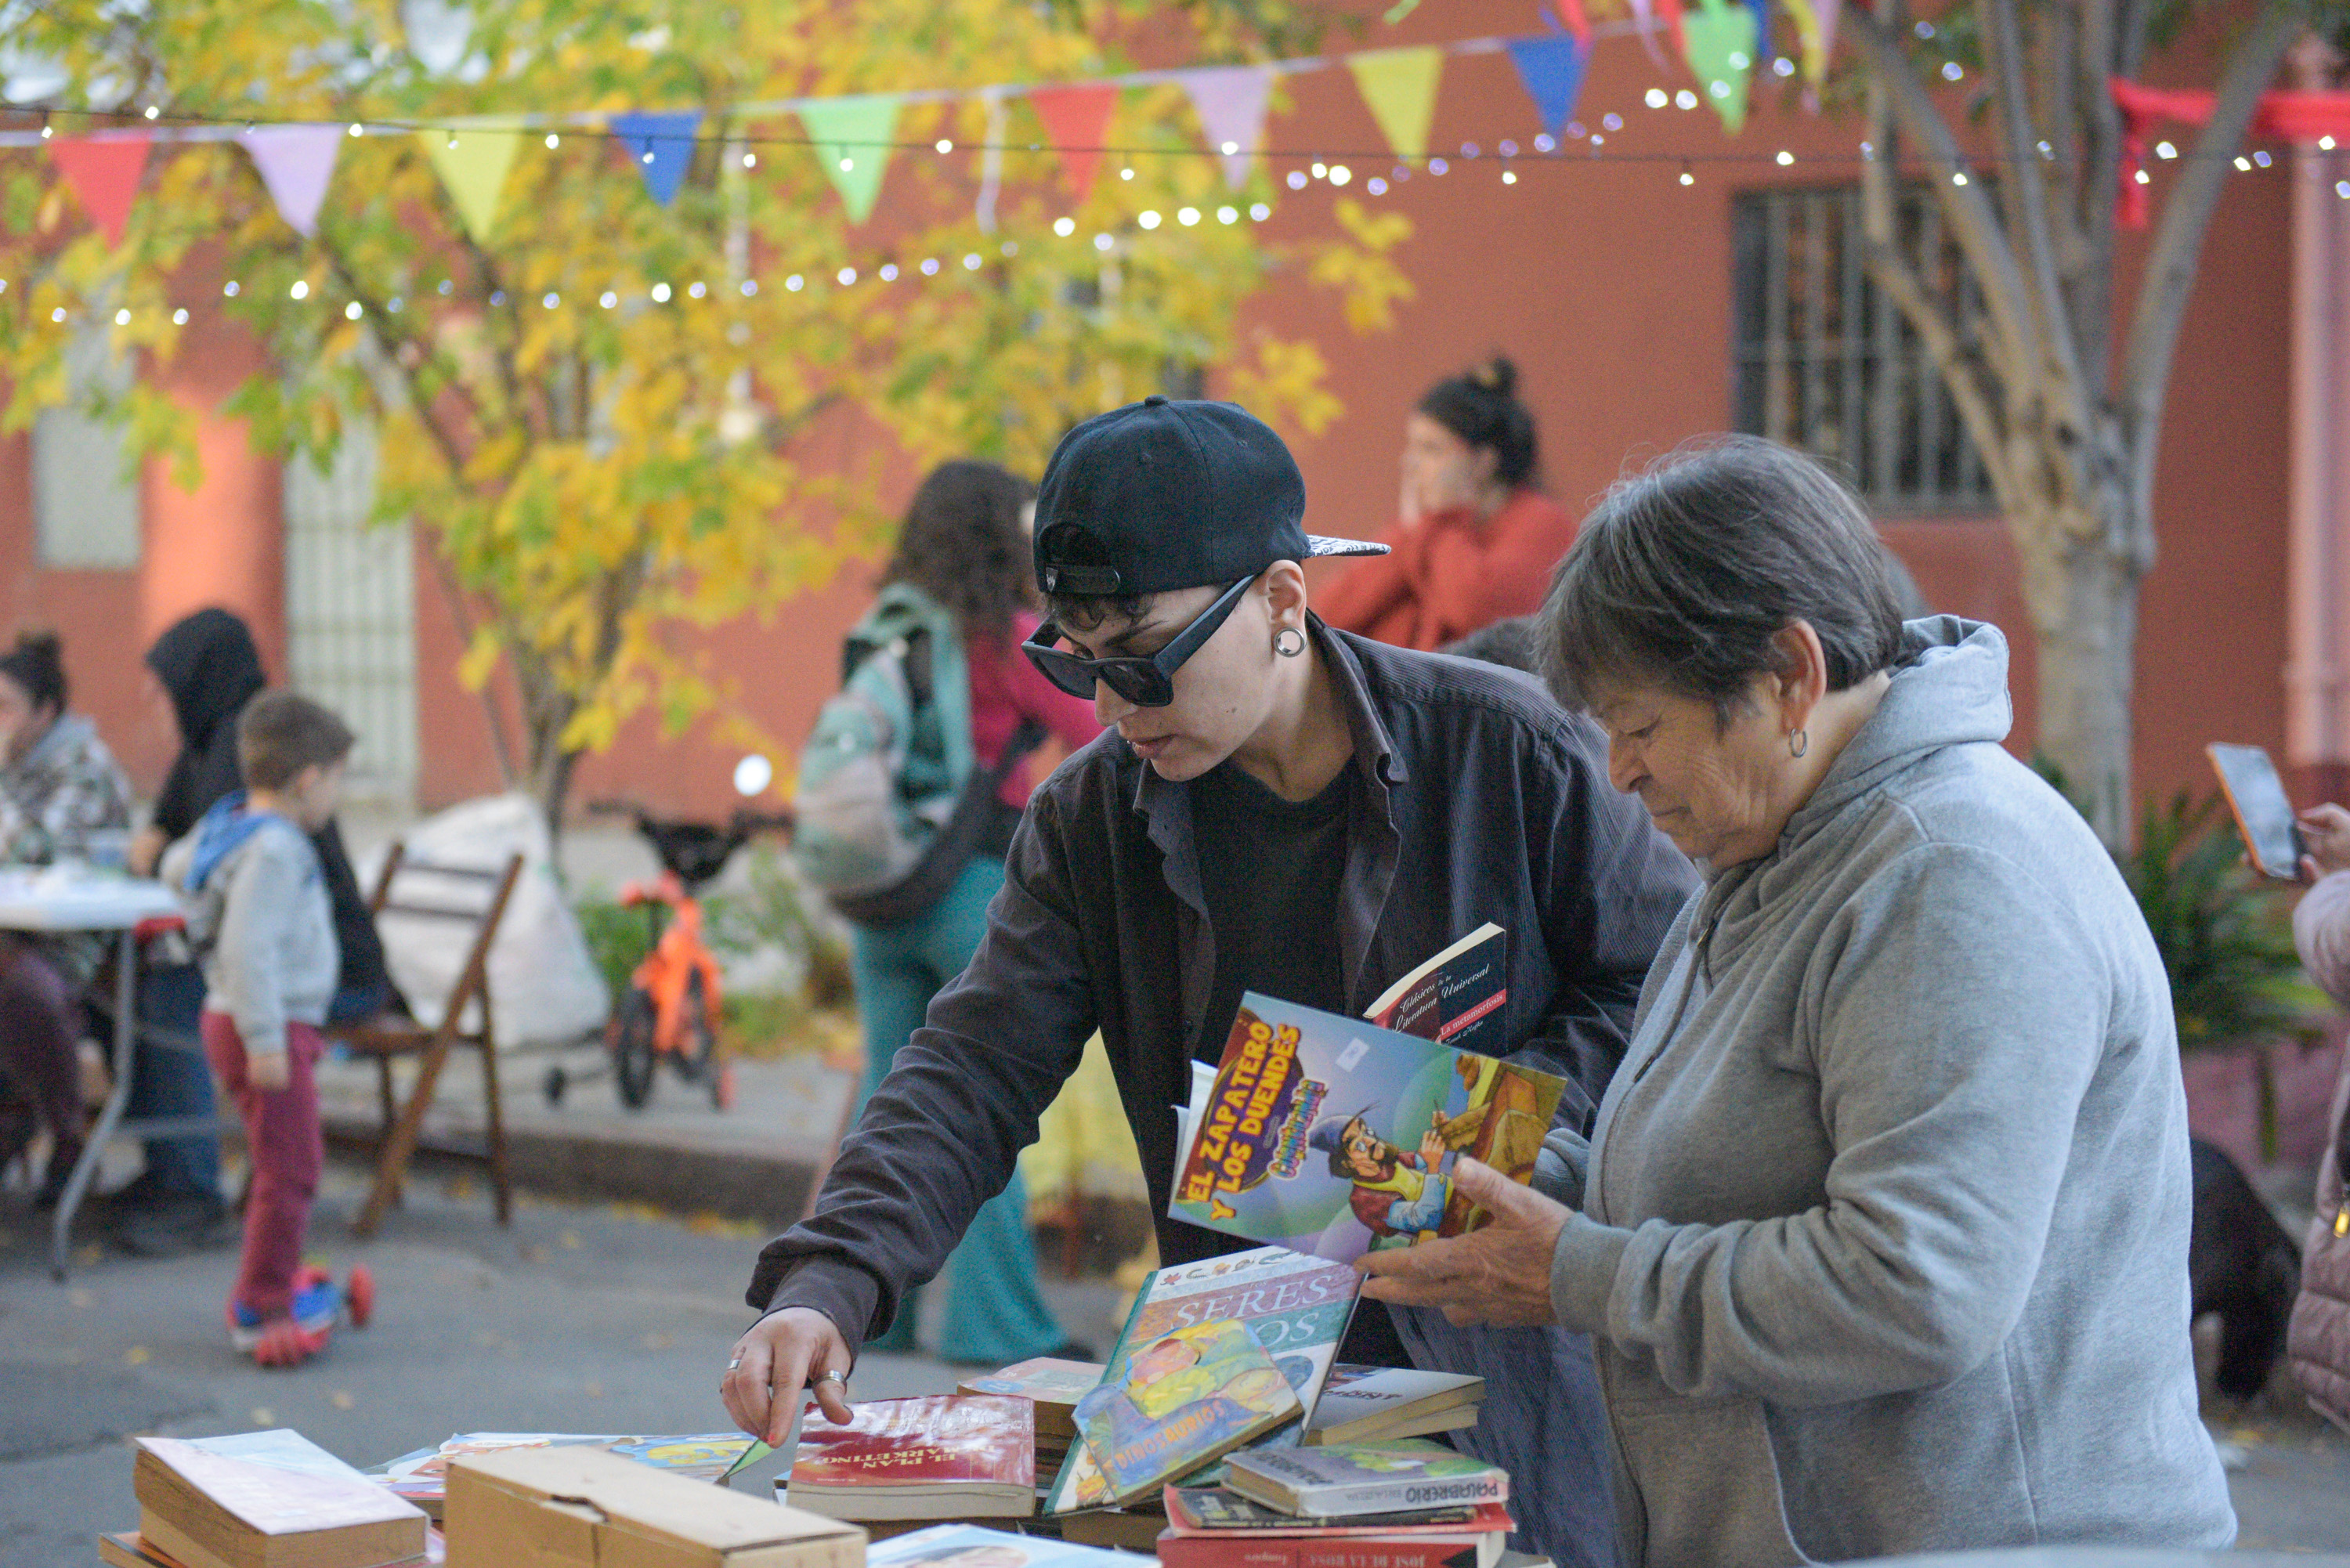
1077	120
103	172
2287	115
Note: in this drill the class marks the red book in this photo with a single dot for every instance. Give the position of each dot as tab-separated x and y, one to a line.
947	1456
1227	1548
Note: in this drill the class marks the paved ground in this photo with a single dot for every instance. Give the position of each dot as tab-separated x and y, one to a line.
582	1318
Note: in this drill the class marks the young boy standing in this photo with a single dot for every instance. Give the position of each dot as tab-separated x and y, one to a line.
262	926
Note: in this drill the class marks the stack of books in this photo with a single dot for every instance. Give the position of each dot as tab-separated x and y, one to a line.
1390	1505
262	1500
1053	1386
1381	1403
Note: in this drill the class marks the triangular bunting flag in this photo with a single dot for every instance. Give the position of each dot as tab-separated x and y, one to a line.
472	160
1816	24
103	172
1078	121
1718	36
1571	13
1230	101
855	131
661	146
295	162
1551	69
1761	9
1644	20
1400	85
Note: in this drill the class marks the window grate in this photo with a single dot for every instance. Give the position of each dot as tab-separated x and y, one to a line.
1823	360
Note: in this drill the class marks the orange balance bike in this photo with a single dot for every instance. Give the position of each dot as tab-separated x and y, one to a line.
674	1003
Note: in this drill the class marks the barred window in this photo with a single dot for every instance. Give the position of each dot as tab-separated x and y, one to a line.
1825	360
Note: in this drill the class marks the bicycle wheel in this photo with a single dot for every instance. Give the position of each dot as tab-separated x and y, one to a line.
699	1058
631	1037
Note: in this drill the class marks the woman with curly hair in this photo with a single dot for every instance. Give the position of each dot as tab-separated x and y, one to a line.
964	547
1476	539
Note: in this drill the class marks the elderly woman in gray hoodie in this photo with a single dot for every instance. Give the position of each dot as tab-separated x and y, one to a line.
1881	1232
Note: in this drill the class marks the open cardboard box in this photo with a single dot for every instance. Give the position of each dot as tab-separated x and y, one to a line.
584	1508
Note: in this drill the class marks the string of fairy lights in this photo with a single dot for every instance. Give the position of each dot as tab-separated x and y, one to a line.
1503	161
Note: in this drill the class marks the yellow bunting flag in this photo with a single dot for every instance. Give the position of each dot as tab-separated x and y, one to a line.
1400	85
472	159
852	138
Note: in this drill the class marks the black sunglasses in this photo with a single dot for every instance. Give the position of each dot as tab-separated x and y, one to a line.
1145	682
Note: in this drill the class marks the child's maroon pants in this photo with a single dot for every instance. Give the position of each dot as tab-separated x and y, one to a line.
286	1148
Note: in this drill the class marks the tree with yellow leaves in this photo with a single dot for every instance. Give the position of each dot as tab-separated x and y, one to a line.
599	404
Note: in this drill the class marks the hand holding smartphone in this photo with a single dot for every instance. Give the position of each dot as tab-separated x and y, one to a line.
2264	816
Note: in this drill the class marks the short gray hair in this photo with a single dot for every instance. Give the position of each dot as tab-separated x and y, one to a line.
1682	576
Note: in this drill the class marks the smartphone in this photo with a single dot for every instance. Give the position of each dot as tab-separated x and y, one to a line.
2263	816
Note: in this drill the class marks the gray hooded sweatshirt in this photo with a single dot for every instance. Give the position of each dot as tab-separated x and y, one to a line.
1884	1246
259	918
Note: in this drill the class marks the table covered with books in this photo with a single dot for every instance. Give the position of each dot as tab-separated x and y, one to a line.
1221	1431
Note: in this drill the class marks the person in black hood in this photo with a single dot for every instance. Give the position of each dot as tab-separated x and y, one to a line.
209	667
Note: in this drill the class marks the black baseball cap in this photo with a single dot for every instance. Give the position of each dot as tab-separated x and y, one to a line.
1172	494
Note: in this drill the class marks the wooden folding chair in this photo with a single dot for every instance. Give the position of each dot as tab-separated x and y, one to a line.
403	1124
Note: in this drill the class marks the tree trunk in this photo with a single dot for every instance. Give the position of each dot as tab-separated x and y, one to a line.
2084	601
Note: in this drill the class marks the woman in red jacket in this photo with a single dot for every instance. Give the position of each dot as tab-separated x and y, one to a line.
1476	541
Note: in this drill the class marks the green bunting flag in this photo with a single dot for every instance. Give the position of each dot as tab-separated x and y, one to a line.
852	138
1400	85
1721	42
472	160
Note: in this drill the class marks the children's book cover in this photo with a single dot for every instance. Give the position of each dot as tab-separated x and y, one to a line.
1294	1309
1331	1136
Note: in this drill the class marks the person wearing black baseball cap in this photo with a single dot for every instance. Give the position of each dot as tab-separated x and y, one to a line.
1274	806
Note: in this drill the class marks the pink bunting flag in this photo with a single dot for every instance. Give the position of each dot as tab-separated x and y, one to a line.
295	162
1076	118
1231	102
103	172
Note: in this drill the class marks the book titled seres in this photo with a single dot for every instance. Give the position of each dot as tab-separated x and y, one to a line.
946	1456
1365	1478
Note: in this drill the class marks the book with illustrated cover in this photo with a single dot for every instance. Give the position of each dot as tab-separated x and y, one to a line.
1311	1549
1365	1478
1052	1385
421	1476
267	1497
1328	1135
707	1457
941	1455
1295	1309
1220	1509
1458	997
1367	1403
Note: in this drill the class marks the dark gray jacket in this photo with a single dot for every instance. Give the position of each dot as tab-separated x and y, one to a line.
1481	800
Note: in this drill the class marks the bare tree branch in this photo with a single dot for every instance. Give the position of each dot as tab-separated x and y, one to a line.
2060	356
1989	255
2177	246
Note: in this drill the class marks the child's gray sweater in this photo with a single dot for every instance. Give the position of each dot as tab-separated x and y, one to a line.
261	928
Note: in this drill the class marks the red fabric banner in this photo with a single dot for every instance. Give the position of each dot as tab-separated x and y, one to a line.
103	172
2286	116
1077	117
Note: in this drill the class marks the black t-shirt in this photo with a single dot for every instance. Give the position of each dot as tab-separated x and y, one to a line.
1270	869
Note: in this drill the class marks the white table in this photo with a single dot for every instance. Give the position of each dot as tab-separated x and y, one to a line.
61	898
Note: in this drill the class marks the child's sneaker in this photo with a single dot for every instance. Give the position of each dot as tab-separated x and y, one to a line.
293	1339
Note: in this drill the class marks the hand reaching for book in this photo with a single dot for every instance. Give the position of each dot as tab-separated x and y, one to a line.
1498	1274
780	1354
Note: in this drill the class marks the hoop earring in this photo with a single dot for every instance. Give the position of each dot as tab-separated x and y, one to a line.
1289	643
1799	743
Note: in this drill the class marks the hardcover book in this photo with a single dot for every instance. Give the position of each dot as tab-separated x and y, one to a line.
1331	1136
257	1499
1458	997
1293	1306
1365	1478
944	1456
1220	1511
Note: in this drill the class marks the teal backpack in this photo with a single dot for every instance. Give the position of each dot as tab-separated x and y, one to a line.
890	805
